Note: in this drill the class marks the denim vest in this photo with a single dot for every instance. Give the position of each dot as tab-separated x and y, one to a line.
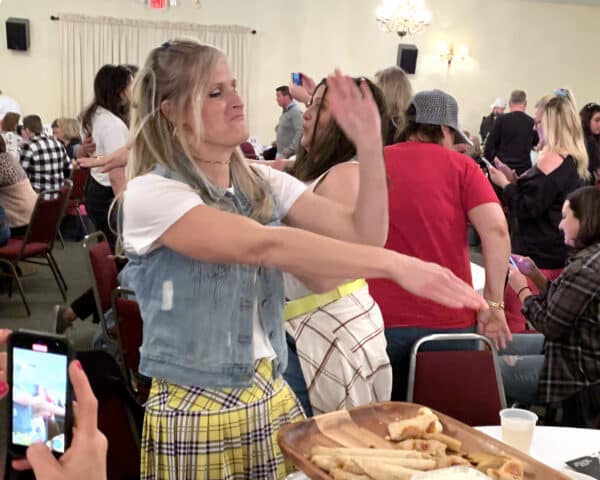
198	316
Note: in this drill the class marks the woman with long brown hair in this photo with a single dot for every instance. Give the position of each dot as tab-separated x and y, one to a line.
337	348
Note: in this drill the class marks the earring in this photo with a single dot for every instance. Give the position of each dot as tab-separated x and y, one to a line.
173	128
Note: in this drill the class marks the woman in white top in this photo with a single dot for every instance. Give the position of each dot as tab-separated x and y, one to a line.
202	231
106	121
337	349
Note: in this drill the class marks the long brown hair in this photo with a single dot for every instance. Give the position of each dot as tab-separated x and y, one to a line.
332	146
109	83
585	204
397	90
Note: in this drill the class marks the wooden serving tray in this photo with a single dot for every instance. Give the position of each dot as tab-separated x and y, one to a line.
367	427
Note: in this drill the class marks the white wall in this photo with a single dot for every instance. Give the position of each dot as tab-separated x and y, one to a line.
531	45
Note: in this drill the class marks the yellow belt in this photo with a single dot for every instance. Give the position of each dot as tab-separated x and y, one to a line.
309	303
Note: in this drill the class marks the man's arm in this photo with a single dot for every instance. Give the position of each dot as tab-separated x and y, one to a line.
490	223
26	158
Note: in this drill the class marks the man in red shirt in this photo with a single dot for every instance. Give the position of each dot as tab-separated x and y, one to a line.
434	192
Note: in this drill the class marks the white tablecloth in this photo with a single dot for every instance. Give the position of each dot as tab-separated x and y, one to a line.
555	445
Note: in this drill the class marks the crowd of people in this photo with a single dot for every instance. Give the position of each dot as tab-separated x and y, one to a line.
272	312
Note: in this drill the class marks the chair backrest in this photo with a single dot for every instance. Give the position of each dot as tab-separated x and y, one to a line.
119	415
103	270
79	177
47	214
248	150
128	320
464	384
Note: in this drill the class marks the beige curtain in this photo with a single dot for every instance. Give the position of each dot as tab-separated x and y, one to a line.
87	43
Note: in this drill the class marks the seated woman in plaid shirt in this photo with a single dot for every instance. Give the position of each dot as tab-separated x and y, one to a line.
202	231
565	357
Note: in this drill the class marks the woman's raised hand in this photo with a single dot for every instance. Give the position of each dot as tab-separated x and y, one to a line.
355	110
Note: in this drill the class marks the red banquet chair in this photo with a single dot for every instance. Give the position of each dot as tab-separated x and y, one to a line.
248	151
129	332
103	271
37	244
464	384
79	177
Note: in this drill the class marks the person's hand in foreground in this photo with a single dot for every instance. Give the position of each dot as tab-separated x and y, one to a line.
86	457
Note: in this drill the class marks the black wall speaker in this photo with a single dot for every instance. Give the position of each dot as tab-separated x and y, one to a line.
407	57
17	34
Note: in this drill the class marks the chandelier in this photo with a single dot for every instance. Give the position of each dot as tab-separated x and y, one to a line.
405	17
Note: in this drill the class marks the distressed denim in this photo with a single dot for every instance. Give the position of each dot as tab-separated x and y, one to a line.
198	316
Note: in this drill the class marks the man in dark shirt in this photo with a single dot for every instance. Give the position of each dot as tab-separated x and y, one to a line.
513	135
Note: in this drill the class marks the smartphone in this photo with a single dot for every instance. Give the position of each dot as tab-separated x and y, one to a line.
512	262
297	78
40	397
486	161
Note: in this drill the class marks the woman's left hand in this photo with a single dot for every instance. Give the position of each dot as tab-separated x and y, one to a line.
516	279
498	177
355	110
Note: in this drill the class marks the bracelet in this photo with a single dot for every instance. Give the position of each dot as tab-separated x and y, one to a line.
493	304
520	291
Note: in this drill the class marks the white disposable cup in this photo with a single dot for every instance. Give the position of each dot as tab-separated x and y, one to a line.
517	427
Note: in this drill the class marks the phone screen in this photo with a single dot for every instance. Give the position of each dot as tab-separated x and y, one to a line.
40	397
297	78
512	262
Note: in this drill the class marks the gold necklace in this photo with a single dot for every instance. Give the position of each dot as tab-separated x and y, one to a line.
226	162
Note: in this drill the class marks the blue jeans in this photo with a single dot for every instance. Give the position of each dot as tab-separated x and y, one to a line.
295	378
521	364
400	341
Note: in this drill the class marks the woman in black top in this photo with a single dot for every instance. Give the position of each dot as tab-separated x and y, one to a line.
535	198
590	121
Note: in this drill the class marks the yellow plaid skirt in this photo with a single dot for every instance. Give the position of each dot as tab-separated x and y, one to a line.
201	433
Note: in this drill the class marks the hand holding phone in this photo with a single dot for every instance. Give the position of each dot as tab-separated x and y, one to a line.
40	397
87	455
297	78
487	162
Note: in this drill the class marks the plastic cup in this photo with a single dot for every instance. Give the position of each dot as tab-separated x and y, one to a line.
517	427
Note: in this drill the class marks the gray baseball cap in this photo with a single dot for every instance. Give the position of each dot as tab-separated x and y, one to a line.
435	107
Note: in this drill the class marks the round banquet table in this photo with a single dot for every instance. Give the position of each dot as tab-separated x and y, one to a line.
555	445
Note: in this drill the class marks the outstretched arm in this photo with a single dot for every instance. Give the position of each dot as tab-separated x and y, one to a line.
306	254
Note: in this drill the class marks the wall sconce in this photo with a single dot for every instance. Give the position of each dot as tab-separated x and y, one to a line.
448	54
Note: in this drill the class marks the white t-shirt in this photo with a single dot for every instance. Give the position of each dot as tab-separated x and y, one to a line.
109	133
152	204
